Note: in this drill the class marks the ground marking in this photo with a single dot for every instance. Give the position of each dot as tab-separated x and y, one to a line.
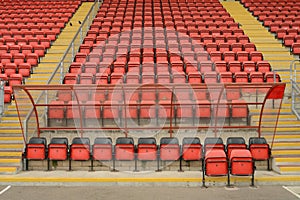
5	189
291	191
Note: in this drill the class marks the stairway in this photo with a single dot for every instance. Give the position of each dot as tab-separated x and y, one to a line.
11	139
286	147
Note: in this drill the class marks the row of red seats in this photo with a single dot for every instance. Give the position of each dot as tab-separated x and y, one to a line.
95	113
121	66
177	77
215	156
33	18
12	50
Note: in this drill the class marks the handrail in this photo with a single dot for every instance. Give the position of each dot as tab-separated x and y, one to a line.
295	87
59	65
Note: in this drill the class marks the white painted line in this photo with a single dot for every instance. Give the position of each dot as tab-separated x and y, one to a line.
291	191
5	189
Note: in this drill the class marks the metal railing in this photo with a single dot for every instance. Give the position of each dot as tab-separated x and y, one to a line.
295	84
62	67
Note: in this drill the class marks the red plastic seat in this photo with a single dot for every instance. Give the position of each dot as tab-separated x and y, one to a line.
272	77
36	149
229	56
249	47
226	77
6	58
79	150
241	162
263	66
7	94
234	143
215	56
211	77
10	68
215	164
58	149
80	57
260	149
169	149
33	59
71	78
236	47
234	66
56	112
124	149
296	48
256	56
18	58
147	149
191	149
102	149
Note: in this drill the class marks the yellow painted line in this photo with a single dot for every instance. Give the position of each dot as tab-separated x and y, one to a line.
283	136
285	152
283	122
10	153
10	131
289	169
11	138
9	160
8	169
287	159
287	144
11	146
145	180
279	129
275	116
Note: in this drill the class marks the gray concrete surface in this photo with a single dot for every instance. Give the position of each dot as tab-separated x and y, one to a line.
145	193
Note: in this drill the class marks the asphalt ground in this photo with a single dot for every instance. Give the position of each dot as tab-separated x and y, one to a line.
145	193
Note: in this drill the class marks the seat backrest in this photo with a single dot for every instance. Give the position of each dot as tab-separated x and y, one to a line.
59	140
38	140
190	140
102	140
149	140
257	140
213	140
235	140
169	140
79	140
124	140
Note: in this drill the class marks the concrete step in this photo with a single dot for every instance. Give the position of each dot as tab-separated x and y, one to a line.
8	170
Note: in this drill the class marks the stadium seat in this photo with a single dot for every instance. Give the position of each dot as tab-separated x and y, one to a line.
147	149
35	149
214	164
24	69
213	143
79	150
241	164
191	150
56	113
15	79
58	149
235	143
169	149
8	94
124	150
260	149
102	150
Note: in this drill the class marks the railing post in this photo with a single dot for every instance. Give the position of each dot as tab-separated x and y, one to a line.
61	72
1	96
73	50
81	35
